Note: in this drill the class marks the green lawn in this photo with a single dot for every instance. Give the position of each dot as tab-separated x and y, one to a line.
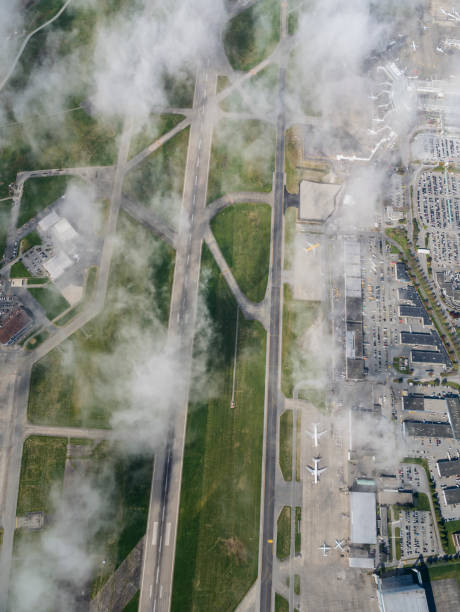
50	299
79	140
242	232
218	532
179	87
242	157
32	239
5	211
126	518
298	363
133	605
39	193
286	429
156	127
253	34
422	502
18	270
290	217
281	604
42	468
37	339
76	383
297	584
298	532
283	533
158	181
440	572
398	542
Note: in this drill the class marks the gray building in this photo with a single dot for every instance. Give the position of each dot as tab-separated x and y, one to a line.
448	467
451	495
402	593
427	429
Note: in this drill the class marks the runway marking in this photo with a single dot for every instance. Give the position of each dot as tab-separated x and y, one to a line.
151	588
188	258
158	573
196	178
168	533
199	145
193	214
155	533
206	77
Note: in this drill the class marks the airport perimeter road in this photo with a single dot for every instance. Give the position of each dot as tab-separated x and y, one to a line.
160	543
273	370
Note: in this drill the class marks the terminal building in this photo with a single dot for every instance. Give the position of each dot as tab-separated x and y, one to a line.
354	310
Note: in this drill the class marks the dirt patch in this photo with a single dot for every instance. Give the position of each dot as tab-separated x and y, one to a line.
233	547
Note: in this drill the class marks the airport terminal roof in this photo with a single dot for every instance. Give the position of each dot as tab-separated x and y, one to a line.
451	495
363	518
354	308
419	429
448	467
453	408
317	200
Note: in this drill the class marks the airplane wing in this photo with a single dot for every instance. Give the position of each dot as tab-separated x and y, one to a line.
310	469
321	470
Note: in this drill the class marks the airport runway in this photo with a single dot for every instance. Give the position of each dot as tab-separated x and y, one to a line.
160	545
273	373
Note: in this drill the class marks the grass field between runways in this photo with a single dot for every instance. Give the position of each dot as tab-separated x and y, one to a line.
242	232
218	532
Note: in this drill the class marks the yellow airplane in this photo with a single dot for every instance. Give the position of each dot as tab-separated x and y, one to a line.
311	247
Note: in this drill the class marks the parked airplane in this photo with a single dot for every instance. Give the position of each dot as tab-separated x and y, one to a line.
325	548
315	434
316	471
339	545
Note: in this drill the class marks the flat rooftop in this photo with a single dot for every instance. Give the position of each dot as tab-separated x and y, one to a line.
453	409
448	467
435	357
419	338
419	429
363	518
416	401
451	495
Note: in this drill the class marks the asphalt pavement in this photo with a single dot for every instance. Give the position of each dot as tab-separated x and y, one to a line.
159	552
273	372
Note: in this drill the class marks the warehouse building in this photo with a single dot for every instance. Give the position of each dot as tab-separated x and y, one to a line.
355	366
451	495
402	593
431	357
427	429
415	402
363	517
453	410
418	338
448	467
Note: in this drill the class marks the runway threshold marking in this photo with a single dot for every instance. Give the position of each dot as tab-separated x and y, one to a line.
155	533
167	534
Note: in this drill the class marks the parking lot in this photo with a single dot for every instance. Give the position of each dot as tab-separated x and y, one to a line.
438	208
417	534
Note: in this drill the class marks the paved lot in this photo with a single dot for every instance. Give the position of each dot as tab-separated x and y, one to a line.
417	534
